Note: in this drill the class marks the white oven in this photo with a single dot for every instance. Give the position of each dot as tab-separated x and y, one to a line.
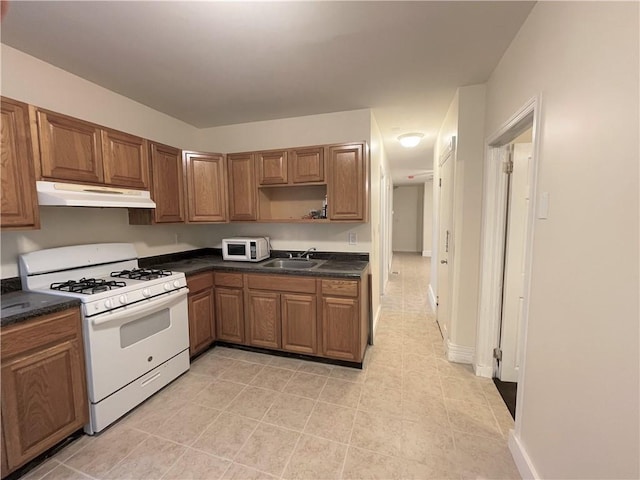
134	321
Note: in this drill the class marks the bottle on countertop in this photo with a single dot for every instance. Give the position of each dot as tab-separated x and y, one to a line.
324	207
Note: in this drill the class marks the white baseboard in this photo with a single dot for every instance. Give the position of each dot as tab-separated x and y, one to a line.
432	298
376	317
426	253
521	458
459	353
483	371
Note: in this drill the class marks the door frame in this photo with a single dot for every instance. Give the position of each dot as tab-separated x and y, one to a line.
492	241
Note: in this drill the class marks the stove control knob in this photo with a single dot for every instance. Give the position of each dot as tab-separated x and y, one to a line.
167	286
146	292
107	303
176	283
123	299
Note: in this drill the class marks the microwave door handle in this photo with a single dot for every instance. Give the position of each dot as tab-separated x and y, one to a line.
139	309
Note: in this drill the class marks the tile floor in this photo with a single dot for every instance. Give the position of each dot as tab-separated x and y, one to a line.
409	414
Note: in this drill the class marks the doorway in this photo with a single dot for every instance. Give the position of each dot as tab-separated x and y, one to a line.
508	214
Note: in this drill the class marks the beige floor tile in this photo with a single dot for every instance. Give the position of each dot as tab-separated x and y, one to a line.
187	424
252	402
233	353
242	372
436	468
366	465
422	382
226	435
289	411
187	386
380	433
62	472
384	377
150	460
285	362
254	357
350	374
305	385
218	394
268	449
211	365
195	465
106	450
385	358
341	392
332	422
315	458
473	418
481	457
41	470
422	443
425	408
152	413
273	378
456	388
73	448
315	368
383	400
241	472
426	365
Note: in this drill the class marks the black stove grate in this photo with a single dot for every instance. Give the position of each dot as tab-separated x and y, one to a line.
87	285
141	274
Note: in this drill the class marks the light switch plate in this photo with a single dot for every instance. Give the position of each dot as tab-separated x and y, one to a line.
353	238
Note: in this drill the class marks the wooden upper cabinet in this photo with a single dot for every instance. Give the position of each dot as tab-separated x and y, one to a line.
272	167
19	200
242	187
347	186
167	188
206	187
307	165
125	160
70	149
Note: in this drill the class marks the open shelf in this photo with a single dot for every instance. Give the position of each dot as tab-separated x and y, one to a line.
290	204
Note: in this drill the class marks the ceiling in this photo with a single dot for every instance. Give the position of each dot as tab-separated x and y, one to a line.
221	63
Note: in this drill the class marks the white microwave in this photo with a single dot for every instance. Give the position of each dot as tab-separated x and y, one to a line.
245	249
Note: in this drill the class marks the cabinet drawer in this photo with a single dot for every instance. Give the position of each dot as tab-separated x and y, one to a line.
200	282
282	283
343	288
228	279
39	333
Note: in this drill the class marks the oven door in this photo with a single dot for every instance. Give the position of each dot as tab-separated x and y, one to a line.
124	344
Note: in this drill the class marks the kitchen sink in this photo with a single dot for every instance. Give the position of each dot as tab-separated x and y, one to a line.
294	263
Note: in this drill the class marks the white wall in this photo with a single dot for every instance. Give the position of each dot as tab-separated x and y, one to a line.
427	218
407	218
465	121
579	413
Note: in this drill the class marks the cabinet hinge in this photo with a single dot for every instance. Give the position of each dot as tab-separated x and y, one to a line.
497	354
439	182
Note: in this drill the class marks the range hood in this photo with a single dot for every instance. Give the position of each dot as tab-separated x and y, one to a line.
74	195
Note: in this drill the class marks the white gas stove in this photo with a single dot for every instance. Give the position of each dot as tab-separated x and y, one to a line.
135	321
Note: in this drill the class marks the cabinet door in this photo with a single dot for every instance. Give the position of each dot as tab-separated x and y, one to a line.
19	200
70	149
264	319
167	184
229	315
272	167
44	397
307	165
242	187
299	325
347	185
201	321
126	160
206	187
340	328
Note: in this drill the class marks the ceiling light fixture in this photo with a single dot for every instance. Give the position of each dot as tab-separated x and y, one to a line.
409	140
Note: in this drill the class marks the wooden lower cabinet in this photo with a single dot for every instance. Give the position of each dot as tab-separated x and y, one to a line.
44	395
263	326
202	332
229	314
299	323
340	328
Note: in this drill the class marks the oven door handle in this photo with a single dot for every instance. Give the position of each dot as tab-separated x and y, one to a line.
139	309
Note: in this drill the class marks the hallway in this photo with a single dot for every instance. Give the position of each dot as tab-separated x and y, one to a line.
242	415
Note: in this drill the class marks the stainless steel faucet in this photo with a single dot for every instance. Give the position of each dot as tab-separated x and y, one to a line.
302	255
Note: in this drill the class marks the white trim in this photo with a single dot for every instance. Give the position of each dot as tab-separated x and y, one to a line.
521	458
459	353
484	371
432	299
376	318
426	253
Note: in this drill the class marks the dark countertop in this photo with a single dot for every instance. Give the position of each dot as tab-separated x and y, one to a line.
19	306
346	268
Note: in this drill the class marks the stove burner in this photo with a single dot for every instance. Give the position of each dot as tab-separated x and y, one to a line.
141	274
87	285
